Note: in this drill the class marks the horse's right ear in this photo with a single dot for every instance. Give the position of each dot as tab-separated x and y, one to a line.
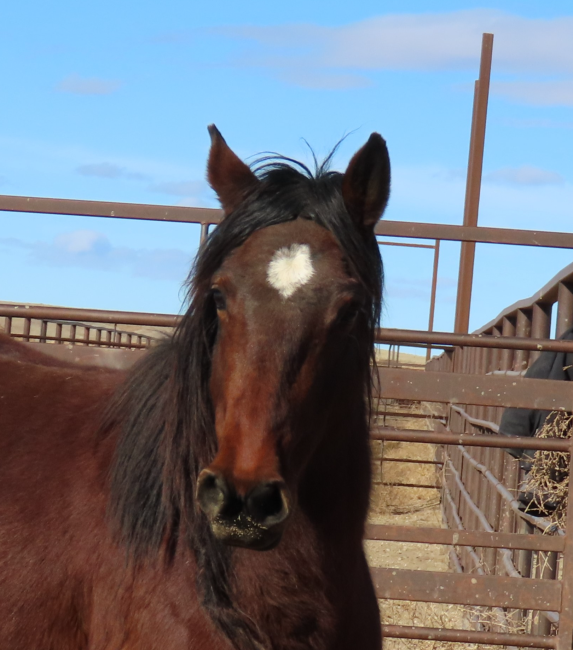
227	174
366	182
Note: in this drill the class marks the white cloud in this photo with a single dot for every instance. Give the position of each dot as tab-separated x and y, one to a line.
82	241
539	123
431	194
87	86
556	92
524	175
426	41
305	54
179	188
93	250
109	170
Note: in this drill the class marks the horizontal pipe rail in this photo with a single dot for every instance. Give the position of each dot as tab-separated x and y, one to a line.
405	337
39	205
89	315
467	636
80	341
449	537
478	234
469	440
416	461
467	589
481	390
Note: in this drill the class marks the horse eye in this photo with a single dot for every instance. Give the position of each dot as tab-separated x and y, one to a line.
348	314
219	299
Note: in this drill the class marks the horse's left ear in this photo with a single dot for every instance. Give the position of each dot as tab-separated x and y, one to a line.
366	182
227	174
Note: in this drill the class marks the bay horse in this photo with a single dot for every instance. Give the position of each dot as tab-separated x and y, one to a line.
213	496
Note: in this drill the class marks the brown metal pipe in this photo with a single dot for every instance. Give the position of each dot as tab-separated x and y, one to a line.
467	636
89	315
473	185
451	537
478	234
504	442
110	210
384	335
433	294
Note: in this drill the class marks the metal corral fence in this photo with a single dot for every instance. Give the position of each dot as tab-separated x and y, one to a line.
495	549
517	564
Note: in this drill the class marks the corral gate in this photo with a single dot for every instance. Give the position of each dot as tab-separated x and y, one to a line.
475	377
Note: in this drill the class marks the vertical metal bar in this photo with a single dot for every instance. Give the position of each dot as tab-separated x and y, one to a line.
59	333
522	328
27	326
73	333
564	308
540	325
507	329
204	233
433	294
43	331
565	634
8	324
473	185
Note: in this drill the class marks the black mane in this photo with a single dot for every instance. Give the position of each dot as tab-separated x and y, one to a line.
163	411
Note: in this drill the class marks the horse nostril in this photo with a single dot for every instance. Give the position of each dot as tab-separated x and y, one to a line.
267	503
212	492
216	497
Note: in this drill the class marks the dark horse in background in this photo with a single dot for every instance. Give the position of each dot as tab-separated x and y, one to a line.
135	507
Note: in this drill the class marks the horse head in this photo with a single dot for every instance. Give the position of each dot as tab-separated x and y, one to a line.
292	312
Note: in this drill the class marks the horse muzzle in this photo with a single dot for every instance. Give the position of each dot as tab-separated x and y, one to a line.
255	520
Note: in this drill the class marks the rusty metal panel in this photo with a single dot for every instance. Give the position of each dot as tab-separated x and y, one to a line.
490	390
450	537
463	589
467	636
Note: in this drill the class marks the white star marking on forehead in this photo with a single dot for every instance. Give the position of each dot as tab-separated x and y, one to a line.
290	268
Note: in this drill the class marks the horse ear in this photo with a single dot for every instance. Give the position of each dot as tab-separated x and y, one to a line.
227	174
366	182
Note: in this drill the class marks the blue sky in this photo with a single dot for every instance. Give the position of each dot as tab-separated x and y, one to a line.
110	101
